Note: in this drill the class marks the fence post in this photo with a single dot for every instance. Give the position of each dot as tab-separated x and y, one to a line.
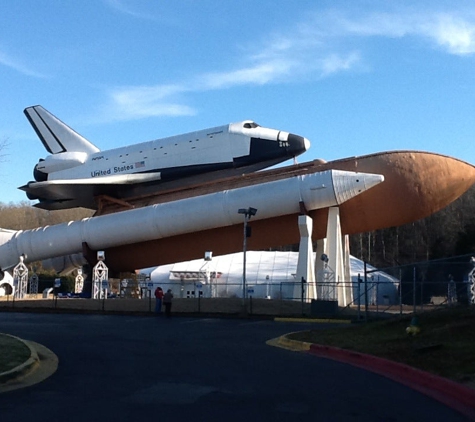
365	293
400	291
377	296
281	299
359	297
414	290
422	294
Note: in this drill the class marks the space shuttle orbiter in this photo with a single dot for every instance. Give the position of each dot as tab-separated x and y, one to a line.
77	173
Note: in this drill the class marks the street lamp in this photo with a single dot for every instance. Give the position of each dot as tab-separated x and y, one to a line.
248	213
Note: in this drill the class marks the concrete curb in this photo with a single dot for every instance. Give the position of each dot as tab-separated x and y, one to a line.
287	343
313	320
25	368
451	393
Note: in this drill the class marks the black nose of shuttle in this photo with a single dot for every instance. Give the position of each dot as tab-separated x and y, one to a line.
297	144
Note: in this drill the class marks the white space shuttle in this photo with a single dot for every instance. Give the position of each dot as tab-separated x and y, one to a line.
77	173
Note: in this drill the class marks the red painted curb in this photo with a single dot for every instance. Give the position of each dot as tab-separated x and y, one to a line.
452	394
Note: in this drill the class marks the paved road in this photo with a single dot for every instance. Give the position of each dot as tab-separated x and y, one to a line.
114	368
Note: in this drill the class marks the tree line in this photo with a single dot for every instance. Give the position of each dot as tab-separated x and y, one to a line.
447	233
426	254
22	216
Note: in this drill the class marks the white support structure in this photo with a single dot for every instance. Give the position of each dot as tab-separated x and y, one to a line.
79	282
305	264
471	286
20	279
346	266
333	278
99	280
325	277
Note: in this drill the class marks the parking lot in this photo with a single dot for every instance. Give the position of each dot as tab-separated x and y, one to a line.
125	368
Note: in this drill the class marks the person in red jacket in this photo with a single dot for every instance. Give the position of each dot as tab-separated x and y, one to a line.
158	300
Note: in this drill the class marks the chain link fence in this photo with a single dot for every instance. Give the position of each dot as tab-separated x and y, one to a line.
411	288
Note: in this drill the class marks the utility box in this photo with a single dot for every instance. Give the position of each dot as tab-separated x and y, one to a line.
323	307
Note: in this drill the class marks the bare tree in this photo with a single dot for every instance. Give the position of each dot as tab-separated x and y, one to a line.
4	143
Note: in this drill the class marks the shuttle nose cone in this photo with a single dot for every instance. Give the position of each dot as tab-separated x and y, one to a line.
306	144
297	144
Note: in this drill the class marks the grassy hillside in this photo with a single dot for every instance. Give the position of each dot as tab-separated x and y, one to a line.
444	346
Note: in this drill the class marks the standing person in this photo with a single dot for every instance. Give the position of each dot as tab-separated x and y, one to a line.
167	301
158	300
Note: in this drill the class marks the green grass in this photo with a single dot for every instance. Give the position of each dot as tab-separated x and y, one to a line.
445	345
12	353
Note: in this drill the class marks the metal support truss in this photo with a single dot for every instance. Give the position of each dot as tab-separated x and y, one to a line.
20	279
100	277
326	285
34	285
79	282
471	286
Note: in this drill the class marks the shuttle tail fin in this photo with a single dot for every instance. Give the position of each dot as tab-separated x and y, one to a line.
55	135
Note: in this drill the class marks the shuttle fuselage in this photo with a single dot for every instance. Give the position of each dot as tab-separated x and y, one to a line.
77	172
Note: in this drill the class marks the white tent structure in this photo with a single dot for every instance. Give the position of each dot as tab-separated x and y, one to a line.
382	288
269	275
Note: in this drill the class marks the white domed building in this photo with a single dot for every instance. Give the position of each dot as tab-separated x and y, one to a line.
269	275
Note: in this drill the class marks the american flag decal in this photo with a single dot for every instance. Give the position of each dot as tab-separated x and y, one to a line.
139	164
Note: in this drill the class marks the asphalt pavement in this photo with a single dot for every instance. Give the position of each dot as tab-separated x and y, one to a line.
129	368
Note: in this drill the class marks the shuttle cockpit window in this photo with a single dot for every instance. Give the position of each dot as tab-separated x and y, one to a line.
250	125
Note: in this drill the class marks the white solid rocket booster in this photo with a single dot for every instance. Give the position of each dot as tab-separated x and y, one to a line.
272	199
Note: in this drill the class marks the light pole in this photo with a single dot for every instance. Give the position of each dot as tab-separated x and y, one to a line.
248	213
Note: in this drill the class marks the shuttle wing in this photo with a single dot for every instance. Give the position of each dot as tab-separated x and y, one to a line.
59	194
120	179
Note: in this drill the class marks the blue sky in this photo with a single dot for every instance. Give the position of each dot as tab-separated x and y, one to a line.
355	77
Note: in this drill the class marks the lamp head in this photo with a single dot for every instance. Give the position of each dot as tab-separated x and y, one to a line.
248	212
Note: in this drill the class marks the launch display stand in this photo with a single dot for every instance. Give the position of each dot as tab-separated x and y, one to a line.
471	287
332	263
100	277
20	279
79	282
